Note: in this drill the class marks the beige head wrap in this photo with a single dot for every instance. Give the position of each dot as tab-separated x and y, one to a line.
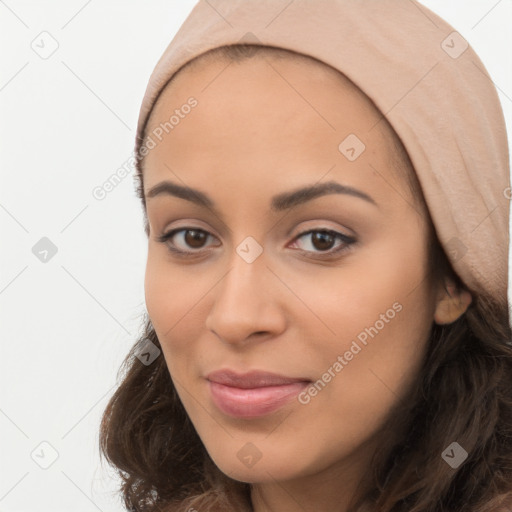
430	85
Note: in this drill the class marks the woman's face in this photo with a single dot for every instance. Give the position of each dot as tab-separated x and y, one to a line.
346	314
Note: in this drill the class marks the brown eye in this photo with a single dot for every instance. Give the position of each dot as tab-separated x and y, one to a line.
322	240
195	238
185	240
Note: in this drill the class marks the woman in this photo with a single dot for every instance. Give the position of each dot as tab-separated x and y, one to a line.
324	190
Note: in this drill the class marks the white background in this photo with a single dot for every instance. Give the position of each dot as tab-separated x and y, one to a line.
67	123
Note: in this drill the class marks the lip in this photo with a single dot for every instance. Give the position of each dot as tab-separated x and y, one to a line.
252	394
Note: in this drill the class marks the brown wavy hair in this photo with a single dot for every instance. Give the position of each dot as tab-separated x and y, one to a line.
462	393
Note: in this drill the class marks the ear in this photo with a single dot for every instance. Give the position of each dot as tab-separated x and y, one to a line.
452	302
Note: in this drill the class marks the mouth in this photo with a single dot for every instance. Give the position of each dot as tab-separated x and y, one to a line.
252	394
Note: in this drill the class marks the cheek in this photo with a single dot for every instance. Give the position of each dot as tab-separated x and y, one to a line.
375	282
171	291
379	314
177	303
160	293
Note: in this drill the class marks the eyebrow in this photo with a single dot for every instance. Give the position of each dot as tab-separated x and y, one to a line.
279	202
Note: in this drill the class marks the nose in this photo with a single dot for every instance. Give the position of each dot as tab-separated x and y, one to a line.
247	303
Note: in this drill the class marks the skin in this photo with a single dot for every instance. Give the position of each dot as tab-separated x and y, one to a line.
252	136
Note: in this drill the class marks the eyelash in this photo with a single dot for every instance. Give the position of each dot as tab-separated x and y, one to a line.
347	242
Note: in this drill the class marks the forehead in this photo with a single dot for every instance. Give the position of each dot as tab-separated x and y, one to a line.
306	84
267	112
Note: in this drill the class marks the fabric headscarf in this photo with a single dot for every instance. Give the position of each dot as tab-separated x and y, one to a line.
425	79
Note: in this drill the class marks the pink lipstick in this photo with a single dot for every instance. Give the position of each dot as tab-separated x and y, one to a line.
252	394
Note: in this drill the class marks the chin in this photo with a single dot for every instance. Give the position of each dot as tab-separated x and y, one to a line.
267	469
